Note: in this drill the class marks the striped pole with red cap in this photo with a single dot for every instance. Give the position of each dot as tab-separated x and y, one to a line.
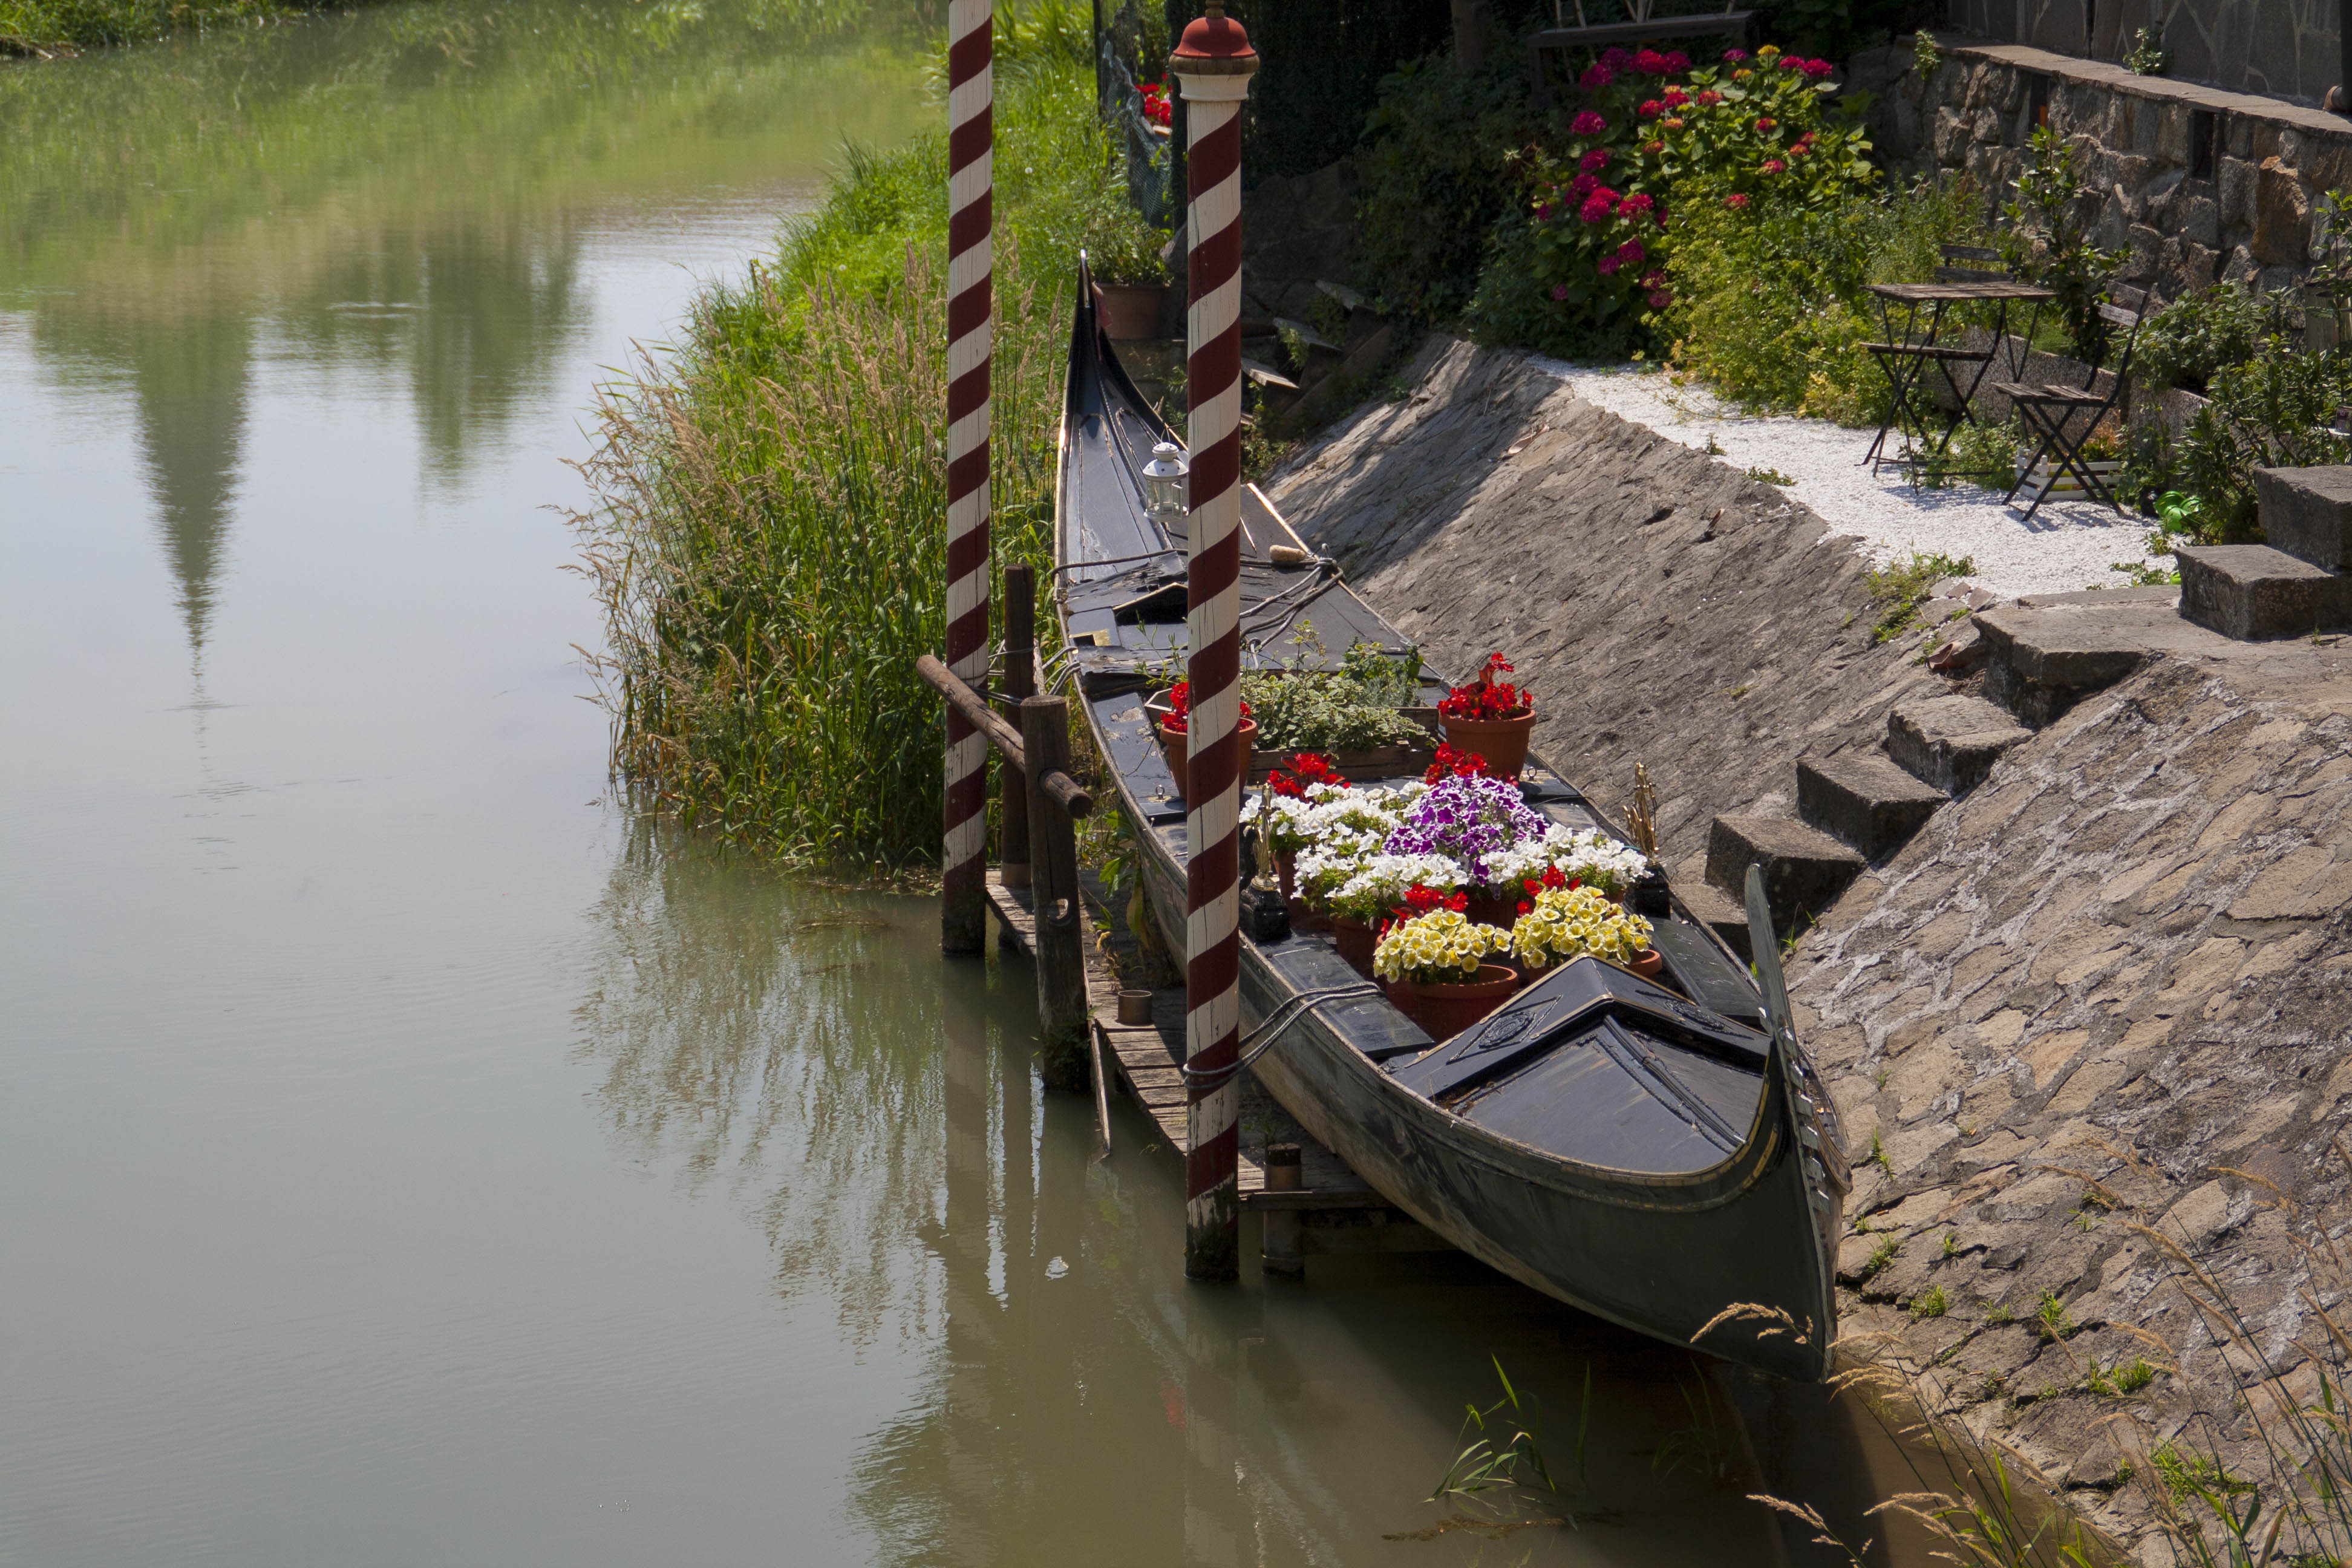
964	893
1213	62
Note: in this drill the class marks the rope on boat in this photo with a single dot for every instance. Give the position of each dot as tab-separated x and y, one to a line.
1260	1040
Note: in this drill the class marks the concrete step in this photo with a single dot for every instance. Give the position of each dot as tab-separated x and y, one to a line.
2307	512
2041	662
1951	743
1722	915
1804	868
1865	800
2250	592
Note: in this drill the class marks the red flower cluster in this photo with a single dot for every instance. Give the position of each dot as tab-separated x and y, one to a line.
1816	69
1487	697
1456	762
1179	708
1551	879
1307	768
1420	899
1155	103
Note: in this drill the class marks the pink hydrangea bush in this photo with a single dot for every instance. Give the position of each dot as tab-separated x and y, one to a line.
1652	132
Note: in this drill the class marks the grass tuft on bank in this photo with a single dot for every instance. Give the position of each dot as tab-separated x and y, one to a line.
768	541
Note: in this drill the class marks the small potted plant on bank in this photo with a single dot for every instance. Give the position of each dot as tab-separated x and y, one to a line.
1175	724
1563	923
1130	278
1492	718
1435	965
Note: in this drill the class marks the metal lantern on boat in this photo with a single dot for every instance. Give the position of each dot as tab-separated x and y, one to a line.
1163	484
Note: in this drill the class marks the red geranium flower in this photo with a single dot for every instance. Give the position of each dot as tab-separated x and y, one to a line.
1487	697
1675	97
1735	200
1651	108
1592	163
1764	126
1454	761
1155	103
1709	98
1179	708
1772	165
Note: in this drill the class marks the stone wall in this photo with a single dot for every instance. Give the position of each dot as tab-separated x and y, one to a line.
2194	183
2281	49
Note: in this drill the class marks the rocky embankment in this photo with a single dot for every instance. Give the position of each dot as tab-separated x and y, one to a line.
2089	1029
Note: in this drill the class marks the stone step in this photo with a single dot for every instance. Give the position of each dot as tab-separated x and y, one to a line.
2042	661
1804	868
2307	512
1865	800
1721	914
1952	742
2250	592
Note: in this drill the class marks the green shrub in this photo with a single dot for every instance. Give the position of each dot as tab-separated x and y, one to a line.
1651	131
2189	340
1770	309
1440	172
2047	243
2274	410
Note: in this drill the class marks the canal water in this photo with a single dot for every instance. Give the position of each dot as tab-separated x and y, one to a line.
408	1155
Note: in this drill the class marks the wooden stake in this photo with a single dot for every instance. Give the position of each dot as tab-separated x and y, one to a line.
1059	954
1020	681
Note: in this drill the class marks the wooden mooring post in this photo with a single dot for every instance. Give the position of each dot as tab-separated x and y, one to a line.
1020	681
1054	802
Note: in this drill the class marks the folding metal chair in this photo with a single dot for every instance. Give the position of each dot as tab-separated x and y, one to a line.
2050	412
1906	356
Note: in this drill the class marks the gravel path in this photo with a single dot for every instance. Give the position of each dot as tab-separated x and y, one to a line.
2069	545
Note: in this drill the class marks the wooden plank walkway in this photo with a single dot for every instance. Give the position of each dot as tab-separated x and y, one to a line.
1143	1059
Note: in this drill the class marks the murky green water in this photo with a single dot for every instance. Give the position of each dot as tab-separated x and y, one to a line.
406	1157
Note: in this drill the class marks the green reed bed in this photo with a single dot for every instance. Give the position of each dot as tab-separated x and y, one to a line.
768	538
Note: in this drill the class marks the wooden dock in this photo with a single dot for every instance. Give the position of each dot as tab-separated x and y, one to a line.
1336	1211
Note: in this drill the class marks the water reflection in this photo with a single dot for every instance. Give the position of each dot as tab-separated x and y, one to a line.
806	1055
190	380
770	1043
397	198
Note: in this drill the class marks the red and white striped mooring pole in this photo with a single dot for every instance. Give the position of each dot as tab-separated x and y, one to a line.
1214	63
964	893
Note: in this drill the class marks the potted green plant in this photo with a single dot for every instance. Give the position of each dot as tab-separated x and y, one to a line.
1437	961
1126	256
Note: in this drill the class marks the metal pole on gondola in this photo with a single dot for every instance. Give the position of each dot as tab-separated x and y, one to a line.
964	893
1214	63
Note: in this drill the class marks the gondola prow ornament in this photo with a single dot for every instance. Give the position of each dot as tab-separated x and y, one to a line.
1212	64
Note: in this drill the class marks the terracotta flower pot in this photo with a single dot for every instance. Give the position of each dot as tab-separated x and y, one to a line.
1171	751
1493	907
1502	742
1286	873
1446	1010
1401	997
1130	313
1649	964
1355	940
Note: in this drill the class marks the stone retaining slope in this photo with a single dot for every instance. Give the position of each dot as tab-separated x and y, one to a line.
2124	959
1663	606
2118	966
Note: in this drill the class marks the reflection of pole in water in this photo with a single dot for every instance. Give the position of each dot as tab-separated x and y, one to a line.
1211	1500
189	377
971	1420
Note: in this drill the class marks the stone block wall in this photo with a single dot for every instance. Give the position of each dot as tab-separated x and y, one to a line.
2283	48
2196	183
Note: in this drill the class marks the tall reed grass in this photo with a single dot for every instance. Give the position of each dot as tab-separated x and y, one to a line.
768	537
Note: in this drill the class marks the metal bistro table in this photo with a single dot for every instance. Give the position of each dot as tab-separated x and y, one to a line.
1906	355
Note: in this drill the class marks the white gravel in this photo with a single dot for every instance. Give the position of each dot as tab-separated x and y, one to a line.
2068	545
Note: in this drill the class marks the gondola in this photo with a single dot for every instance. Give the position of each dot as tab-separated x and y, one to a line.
1660	1155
